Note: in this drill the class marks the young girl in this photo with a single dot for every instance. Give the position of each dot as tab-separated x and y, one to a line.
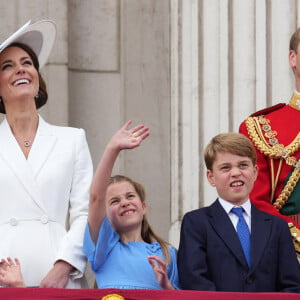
123	250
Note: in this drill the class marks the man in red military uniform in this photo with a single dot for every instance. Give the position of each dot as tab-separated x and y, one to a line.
275	133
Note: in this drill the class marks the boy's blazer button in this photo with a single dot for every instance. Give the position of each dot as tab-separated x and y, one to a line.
250	279
44	219
13	221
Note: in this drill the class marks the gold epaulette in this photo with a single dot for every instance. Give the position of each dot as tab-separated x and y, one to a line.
264	138
259	131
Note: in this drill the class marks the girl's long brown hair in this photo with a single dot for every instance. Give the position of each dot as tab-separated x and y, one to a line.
148	235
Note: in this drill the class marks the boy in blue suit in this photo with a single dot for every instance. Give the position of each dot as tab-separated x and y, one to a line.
211	255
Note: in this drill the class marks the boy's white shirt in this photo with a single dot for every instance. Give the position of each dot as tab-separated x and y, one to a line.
233	217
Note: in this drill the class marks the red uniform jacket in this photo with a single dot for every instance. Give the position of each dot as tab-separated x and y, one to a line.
284	122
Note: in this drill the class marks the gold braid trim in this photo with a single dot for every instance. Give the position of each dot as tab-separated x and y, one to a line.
287	190
295	232
273	151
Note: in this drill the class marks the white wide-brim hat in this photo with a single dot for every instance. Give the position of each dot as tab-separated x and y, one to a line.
39	36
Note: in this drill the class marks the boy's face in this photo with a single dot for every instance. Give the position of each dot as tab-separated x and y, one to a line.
233	176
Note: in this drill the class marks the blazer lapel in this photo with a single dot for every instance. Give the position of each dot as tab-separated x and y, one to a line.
224	228
24	169
42	146
261	226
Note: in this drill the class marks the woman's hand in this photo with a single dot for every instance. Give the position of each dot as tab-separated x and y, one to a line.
58	276
160	270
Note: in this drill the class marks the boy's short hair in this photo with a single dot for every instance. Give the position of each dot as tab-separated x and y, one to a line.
232	142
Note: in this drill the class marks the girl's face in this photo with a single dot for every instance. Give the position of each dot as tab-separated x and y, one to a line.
124	208
18	76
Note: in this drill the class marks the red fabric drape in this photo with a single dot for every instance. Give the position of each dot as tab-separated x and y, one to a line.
97	294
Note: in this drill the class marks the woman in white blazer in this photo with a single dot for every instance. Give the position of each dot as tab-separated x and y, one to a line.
45	170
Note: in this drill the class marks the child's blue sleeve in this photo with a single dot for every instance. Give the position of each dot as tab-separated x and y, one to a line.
172	268
97	253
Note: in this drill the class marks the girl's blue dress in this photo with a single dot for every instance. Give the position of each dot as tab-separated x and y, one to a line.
125	265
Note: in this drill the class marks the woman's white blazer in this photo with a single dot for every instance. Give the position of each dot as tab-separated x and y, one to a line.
44	199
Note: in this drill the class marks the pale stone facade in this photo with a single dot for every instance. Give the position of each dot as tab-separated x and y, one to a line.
188	69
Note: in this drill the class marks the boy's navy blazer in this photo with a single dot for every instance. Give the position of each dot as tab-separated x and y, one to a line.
210	256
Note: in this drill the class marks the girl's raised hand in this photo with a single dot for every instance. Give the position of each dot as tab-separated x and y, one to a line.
126	138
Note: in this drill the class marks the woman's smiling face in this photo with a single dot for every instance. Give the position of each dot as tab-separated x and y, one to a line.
18	76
